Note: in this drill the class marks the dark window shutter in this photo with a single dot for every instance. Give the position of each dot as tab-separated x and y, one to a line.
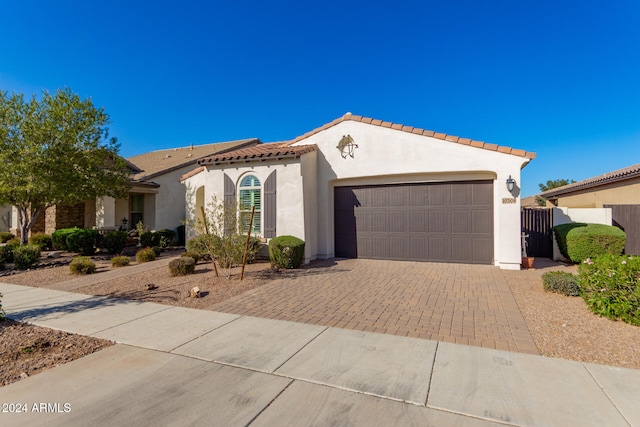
229	198
270	206
229	189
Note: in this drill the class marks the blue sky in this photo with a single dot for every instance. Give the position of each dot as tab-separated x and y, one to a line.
560	78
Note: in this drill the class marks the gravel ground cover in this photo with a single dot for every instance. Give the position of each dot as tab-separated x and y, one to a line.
561	326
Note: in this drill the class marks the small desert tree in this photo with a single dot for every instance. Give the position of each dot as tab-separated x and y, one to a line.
55	150
219	222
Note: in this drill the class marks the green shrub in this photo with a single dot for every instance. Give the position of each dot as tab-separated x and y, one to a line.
182	266
120	261
149	239
84	241
114	241
6	251
1	260
59	238
26	256
561	282
610	285
286	252
200	245
5	236
194	255
42	240
167	237
6	254
82	265
145	255
157	250
254	248
579	241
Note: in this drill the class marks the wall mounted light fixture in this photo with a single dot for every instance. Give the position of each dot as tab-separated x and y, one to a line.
511	183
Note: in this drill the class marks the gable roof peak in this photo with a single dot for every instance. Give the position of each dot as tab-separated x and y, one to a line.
418	131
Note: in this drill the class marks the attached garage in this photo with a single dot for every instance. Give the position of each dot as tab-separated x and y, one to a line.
439	222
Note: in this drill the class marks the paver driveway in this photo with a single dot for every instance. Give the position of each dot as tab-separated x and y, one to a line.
465	304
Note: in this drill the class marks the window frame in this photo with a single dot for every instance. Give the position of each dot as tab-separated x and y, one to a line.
242	212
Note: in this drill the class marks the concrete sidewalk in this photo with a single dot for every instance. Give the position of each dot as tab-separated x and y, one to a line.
177	366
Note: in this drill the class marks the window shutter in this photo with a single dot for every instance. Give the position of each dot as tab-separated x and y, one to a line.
270	206
229	200
229	189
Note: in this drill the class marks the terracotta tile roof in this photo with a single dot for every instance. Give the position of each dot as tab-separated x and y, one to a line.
155	163
607	178
417	131
260	152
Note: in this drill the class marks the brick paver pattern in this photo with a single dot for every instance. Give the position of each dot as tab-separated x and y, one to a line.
459	303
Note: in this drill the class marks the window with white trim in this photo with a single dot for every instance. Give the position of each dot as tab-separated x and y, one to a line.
250	195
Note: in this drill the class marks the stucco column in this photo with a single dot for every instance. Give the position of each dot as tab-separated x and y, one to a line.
105	212
507	221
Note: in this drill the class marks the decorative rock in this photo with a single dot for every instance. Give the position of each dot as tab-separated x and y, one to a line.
54	254
150	287
194	292
24	375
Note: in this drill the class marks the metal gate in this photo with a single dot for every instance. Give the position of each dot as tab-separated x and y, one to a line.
537	223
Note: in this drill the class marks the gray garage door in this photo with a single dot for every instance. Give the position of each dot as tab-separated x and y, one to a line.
440	222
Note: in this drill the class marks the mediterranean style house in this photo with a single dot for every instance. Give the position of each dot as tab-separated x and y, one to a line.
361	187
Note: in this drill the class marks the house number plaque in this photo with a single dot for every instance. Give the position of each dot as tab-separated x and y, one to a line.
508	200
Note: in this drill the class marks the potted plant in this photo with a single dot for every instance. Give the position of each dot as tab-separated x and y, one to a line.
527	261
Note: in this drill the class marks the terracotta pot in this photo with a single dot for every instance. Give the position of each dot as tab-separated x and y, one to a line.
527	262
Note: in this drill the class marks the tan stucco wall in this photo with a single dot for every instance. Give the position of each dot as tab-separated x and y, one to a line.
619	193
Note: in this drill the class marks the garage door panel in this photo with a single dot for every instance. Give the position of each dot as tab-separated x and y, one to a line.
481	222
460	221
444	222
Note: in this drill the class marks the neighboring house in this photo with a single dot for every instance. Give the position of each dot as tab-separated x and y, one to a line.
156	196
618	190
360	187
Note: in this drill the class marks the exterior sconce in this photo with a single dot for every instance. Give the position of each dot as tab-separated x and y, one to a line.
347	146
124	222
511	183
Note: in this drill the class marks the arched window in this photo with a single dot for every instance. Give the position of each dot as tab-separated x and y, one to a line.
250	195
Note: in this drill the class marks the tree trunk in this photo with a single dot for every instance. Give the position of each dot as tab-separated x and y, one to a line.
26	221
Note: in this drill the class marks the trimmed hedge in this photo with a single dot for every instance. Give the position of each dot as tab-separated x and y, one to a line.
59	238
610	285
561	282
579	241
182	266
115	241
26	256
84	241
82	265
286	252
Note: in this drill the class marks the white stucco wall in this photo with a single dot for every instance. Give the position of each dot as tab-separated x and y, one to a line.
386	155
290	202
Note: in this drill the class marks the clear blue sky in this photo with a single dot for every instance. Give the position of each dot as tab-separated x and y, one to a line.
560	78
